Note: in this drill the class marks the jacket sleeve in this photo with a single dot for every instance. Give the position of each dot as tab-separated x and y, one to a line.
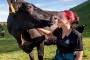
79	46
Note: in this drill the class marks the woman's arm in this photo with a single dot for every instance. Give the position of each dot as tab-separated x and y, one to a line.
79	47
44	31
52	27
79	55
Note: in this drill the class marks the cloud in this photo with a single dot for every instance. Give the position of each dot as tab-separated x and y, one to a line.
3	16
46	4
66	0
3	12
40	4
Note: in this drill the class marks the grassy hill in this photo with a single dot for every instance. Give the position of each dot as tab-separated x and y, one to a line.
83	11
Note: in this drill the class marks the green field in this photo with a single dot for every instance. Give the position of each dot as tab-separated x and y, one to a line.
9	50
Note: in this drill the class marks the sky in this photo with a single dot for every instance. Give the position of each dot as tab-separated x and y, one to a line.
51	5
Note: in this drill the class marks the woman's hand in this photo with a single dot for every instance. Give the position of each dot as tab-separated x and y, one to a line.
44	31
79	55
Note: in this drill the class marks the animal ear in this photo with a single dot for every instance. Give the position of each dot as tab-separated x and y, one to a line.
12	8
80	28
23	7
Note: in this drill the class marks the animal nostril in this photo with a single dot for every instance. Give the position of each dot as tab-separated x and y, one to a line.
55	18
30	6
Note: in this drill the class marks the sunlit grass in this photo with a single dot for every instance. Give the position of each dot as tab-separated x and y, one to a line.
86	42
9	50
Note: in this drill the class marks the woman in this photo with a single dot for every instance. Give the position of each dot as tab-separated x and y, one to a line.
68	40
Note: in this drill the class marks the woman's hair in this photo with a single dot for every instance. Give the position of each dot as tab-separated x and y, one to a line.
71	16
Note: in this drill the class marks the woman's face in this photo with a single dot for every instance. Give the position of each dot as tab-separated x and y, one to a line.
64	23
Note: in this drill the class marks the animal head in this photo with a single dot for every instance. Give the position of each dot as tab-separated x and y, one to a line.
15	6
26	7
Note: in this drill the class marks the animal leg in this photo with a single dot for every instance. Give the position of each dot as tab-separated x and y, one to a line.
31	55
40	49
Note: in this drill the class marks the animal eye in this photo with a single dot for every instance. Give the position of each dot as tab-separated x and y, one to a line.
30	6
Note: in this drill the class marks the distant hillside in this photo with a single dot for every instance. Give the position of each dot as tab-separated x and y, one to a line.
83	11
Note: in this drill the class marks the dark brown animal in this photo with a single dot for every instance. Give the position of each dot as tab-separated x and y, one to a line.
20	23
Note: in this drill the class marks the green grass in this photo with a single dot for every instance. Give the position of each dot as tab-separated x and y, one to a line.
9	50
86	42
